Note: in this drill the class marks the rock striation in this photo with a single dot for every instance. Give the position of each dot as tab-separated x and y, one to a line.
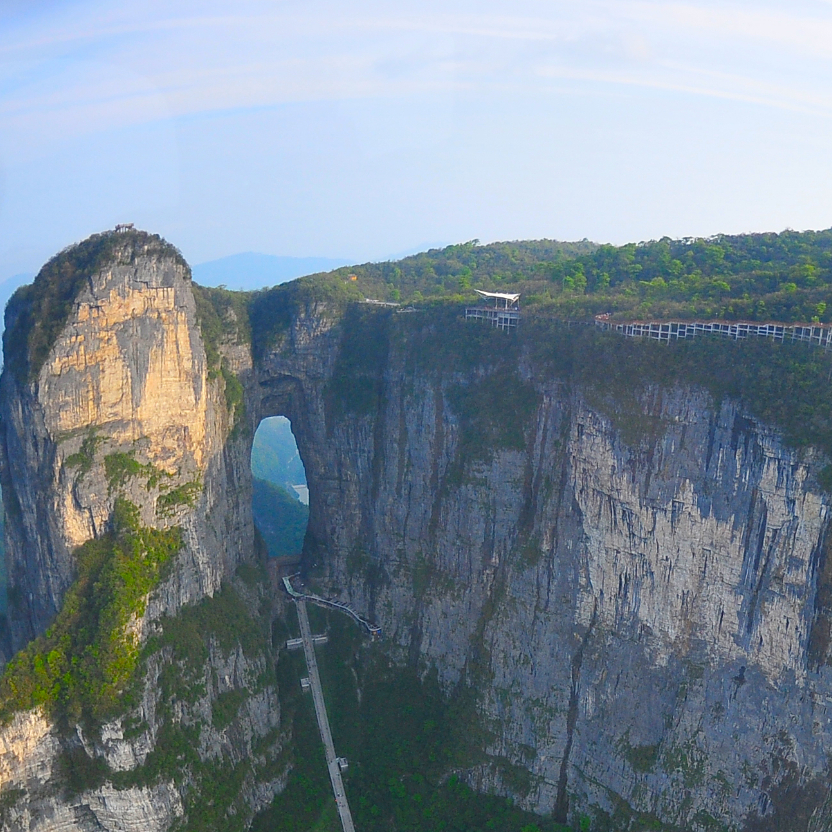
127	375
639	612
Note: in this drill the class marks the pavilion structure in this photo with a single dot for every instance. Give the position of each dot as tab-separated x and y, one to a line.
498	308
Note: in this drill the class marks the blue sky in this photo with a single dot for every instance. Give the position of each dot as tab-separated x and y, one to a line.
363	130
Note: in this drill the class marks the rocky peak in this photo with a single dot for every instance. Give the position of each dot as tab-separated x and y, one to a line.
108	393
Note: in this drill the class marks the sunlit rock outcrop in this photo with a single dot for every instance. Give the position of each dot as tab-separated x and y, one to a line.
125	405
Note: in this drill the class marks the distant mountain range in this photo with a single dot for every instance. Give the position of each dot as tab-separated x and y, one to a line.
249	270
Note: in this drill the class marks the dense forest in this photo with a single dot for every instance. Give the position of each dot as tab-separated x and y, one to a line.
786	276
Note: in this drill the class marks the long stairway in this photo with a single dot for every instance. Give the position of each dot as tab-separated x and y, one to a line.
323	719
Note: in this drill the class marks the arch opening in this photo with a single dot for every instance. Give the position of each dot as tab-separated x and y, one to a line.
280	496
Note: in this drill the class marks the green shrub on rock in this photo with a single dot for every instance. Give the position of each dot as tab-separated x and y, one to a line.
85	662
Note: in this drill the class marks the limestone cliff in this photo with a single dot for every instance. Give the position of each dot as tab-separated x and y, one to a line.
637	604
111	396
126	376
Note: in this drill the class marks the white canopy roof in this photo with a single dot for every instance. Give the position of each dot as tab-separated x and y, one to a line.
500	295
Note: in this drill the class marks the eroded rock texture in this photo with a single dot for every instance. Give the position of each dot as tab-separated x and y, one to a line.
127	375
126	406
642	620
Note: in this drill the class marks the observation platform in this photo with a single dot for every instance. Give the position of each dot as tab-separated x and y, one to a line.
503	314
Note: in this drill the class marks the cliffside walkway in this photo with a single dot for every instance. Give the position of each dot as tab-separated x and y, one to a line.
809	333
332	762
373	629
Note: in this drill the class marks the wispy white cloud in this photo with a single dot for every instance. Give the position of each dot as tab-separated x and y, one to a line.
89	65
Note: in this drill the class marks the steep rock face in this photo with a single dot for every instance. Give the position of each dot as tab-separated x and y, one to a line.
639	618
125	405
126	377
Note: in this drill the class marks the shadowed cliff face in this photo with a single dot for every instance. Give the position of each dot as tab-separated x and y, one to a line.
639	604
641	620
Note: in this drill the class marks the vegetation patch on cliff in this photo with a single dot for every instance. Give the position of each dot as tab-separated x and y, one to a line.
120	467
356	382
783	385
182	496
272	311
216	800
224	618
83	458
83	666
494	413
223	319
642	758
36	313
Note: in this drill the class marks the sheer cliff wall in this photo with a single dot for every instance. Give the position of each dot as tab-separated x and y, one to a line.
121	406
638	597
127	376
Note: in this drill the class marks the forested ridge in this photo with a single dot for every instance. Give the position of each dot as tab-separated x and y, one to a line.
767	276
785	277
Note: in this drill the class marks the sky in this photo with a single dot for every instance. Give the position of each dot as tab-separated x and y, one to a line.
367	130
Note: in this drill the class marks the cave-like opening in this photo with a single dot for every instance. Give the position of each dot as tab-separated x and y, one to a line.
280	497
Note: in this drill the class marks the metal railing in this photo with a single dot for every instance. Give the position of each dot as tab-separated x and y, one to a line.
810	333
373	629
